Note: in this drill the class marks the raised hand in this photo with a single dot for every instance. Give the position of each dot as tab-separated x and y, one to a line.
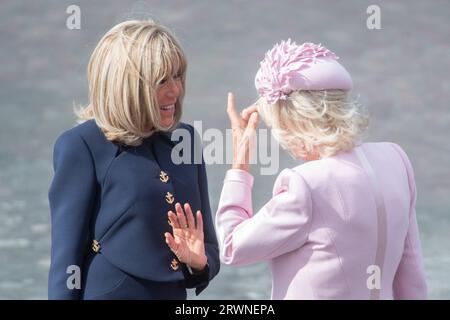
244	132
187	241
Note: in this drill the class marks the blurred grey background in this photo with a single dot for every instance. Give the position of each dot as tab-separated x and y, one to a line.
400	73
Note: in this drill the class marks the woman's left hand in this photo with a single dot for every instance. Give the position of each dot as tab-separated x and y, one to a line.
187	241
244	133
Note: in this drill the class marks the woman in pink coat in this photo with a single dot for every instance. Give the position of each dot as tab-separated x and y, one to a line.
343	224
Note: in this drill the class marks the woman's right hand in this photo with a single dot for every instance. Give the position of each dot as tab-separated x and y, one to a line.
187	241
243	131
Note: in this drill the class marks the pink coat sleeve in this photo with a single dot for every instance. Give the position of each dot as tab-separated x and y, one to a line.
281	225
409	281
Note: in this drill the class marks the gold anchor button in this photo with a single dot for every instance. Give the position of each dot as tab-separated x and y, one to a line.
169	198
174	264
163	176
96	246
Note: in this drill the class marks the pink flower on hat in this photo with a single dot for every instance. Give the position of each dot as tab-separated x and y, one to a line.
283	64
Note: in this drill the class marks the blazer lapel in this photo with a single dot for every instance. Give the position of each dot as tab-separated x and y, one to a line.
162	147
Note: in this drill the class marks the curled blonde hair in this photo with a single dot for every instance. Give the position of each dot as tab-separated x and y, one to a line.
322	122
124	72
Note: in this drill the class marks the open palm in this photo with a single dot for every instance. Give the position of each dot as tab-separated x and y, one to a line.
187	240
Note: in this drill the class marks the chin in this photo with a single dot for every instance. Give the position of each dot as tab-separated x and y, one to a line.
167	124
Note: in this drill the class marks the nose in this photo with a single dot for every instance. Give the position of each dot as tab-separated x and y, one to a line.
174	88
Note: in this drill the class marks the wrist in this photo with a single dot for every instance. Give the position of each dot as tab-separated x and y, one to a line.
199	267
240	167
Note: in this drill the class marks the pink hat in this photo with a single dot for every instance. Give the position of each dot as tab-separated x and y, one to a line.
288	67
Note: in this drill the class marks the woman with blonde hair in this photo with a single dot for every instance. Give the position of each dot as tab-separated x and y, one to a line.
343	224
119	230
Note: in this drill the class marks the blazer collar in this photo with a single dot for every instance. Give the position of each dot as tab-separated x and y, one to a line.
161	145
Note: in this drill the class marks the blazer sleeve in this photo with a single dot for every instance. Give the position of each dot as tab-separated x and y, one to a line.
201	280
71	197
280	226
409	281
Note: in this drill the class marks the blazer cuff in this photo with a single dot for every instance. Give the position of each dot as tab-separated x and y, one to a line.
238	175
192	272
198	280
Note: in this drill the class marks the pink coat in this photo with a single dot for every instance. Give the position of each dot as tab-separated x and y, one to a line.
319	230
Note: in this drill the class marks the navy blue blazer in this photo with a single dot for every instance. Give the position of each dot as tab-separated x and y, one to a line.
109	209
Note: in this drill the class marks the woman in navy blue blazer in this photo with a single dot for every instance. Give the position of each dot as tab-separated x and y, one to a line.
129	222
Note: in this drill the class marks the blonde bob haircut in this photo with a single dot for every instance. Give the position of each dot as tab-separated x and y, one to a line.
124	73
322	122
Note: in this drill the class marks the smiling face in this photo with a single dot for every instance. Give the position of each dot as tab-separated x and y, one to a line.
168	92
136	78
